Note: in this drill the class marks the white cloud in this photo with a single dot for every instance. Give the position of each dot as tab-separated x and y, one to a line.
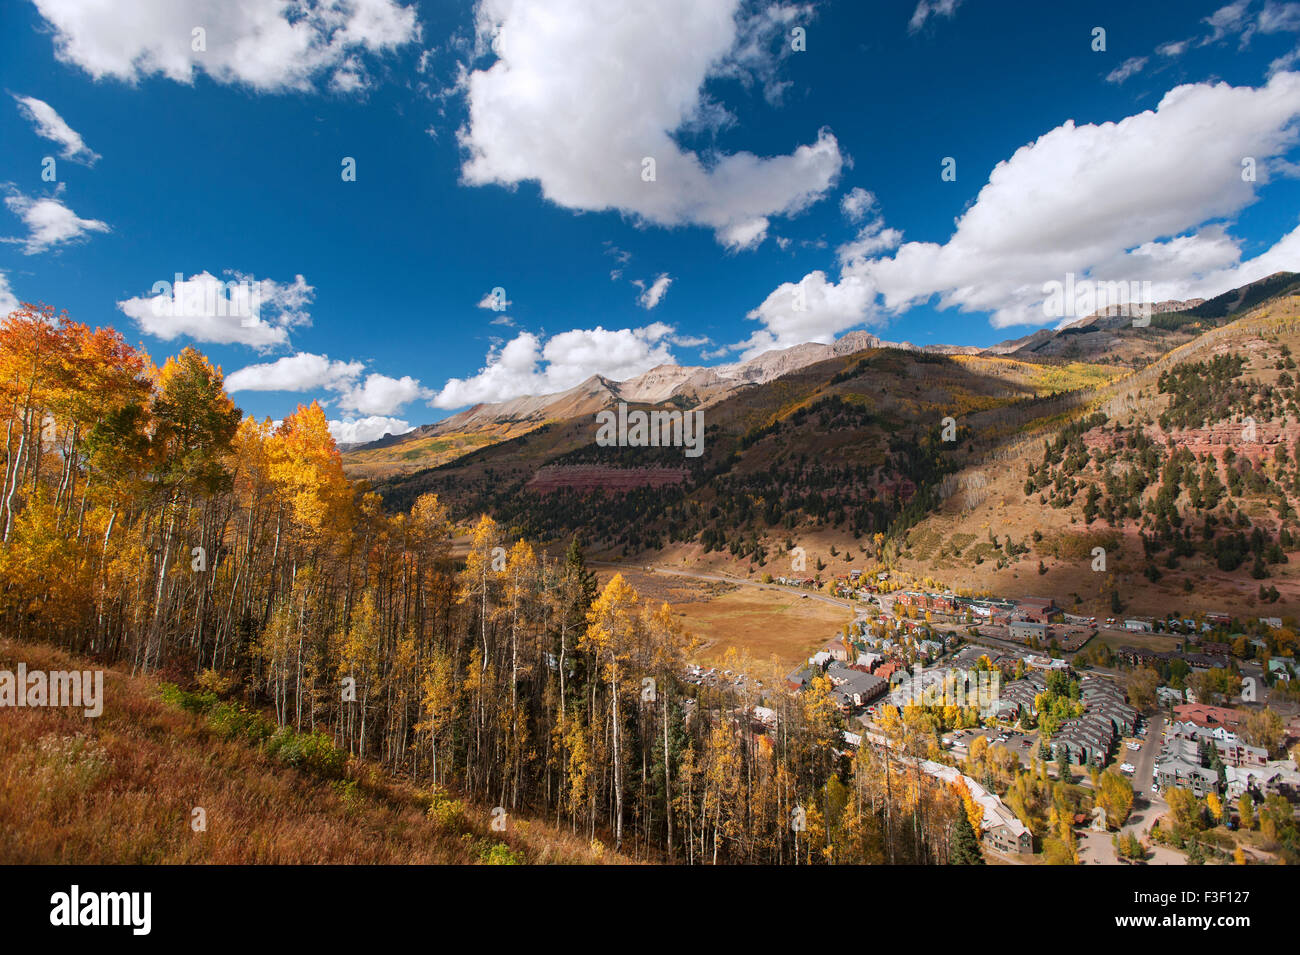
268	46
365	430
872	237
1130	67
1173	47
495	300
242	310
49	222
382	395
8	301
50	125
652	294
931	8
300	372
1149	198
554	109
1284	62
856	203
1279	18
811	310
376	396
524	366
1226	20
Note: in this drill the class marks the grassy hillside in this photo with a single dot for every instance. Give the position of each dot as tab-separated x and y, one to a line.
122	789
844	443
1052	460
403	454
1157	469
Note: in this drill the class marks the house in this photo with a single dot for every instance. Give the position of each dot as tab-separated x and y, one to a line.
839	649
1278	666
1276	777
797	679
1168	696
887	670
1186	775
1202	714
1138	625
1274	622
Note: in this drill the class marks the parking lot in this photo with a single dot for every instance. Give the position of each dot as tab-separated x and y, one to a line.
1024	745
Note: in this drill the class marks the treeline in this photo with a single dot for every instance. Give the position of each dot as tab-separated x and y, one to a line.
145	520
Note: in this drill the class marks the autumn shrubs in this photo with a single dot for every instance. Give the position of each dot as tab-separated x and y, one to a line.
313	752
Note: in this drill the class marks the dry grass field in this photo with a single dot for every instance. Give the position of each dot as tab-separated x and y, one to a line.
121	789
763	622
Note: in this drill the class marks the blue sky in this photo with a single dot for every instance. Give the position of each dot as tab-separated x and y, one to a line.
517	164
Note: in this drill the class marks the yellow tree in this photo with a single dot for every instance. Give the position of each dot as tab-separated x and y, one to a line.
613	626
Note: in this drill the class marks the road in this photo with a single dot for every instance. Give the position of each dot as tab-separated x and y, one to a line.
741	581
1146	757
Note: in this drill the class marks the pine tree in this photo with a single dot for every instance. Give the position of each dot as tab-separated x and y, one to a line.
965	846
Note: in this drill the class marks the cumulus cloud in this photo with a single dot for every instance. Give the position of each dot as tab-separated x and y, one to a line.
552	109
526	366
301	372
931	8
811	310
652	294
382	395
1148	199
365	430
856	203
49	222
375	396
267	46
50	125
240	311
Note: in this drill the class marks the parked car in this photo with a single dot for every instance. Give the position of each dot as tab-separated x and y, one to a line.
1132	745
1127	768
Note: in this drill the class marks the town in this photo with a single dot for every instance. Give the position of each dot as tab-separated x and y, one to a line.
1169	756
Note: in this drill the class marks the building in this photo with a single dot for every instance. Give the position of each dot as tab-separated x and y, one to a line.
1000	829
1027	630
1210	717
1035	609
855	688
1186	775
1138	625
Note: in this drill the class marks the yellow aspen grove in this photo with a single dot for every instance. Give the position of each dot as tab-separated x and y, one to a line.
145	520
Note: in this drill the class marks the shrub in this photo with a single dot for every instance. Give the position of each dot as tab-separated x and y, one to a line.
187	700
313	752
498	853
446	813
